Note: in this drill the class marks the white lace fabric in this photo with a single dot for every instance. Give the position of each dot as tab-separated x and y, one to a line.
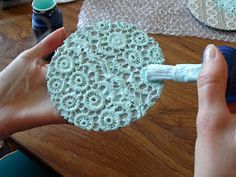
219	14
169	17
64	1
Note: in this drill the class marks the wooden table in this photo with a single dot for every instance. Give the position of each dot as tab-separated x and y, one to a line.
159	145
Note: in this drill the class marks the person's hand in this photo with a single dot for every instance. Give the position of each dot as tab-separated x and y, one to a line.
25	102
215	151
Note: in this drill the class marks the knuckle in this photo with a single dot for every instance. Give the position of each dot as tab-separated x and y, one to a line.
27	54
208	79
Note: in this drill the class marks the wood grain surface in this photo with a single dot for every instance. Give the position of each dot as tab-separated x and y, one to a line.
159	145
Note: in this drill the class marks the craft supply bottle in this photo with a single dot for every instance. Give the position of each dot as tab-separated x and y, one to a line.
230	57
46	18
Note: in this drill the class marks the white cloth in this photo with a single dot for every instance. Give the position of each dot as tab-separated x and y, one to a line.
8	3
169	17
64	1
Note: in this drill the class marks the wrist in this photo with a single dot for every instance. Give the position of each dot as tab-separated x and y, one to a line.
5	122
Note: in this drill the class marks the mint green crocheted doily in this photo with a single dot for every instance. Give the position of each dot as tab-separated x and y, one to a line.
94	79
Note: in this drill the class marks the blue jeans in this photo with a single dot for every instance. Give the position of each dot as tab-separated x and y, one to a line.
18	164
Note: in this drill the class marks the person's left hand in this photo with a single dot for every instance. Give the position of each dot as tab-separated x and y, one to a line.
25	102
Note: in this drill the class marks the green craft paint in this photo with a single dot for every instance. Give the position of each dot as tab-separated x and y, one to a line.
43	5
46	18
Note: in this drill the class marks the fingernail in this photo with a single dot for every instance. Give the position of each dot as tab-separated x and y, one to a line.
209	53
63	33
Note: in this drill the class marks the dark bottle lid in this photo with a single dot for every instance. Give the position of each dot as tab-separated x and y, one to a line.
230	57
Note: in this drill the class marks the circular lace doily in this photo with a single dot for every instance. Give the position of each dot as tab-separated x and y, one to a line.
220	14
95	78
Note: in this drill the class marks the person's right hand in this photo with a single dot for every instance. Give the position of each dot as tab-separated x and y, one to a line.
215	151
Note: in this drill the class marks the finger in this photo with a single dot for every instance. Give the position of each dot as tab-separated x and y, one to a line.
212	80
47	45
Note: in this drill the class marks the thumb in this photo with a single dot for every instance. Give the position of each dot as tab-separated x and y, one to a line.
47	45
212	80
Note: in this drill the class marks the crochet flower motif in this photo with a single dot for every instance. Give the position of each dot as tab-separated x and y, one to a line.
94	101
64	65
55	84
69	102
95	78
78	81
84	121
117	40
109	120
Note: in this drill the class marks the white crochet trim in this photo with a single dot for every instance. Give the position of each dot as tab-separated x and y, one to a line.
169	17
64	1
219	14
